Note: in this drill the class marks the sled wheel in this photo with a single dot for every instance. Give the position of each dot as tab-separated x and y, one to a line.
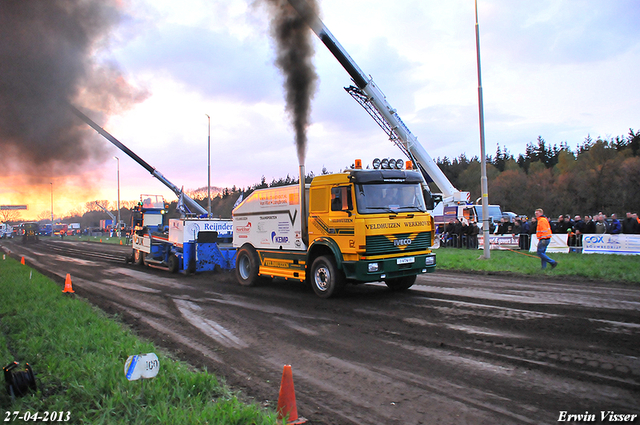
174	263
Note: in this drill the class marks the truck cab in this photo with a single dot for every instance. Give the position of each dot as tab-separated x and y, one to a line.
30	232
362	226
147	223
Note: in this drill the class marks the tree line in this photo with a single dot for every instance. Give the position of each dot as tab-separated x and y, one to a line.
599	175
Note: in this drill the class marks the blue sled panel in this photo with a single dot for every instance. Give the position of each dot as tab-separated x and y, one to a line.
210	255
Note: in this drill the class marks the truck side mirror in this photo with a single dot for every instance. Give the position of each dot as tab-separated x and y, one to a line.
431	200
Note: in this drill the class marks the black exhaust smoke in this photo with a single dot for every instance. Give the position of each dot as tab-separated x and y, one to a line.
47	59
294	53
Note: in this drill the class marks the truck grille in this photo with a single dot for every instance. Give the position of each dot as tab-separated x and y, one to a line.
379	245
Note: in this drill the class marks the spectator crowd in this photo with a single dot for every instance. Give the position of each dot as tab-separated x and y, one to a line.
464	234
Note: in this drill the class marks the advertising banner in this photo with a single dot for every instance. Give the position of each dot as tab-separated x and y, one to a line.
611	244
13	207
499	241
186	230
558	244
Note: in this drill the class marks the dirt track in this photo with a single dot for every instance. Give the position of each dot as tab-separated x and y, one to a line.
454	349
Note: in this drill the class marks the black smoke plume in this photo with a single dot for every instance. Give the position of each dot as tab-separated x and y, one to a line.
48	52
294	53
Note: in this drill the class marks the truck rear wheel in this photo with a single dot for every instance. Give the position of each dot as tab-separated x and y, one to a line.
401	283
326	279
247	265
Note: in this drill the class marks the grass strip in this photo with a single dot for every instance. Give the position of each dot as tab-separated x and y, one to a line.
78	355
86	238
608	267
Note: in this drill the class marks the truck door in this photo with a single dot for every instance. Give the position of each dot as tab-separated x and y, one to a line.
341	225
341	199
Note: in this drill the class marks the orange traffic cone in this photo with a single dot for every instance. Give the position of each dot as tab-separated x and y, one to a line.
120	242
100	240
67	284
287	399
22	260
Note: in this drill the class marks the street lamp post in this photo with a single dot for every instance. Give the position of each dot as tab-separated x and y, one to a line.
209	166
483	156
51	183
118	224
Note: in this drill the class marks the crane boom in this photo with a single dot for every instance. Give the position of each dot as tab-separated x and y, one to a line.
113	217
371	98
191	204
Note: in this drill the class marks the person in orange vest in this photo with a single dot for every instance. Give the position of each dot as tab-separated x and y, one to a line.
543	233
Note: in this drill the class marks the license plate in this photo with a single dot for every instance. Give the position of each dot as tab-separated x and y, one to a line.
408	260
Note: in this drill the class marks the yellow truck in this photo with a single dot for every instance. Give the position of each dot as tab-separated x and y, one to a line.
357	226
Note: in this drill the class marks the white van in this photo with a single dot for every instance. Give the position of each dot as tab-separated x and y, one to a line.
6	231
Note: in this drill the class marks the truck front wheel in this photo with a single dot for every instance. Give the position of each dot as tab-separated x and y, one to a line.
326	279
401	283
247	264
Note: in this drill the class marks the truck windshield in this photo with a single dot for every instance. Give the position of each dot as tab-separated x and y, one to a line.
389	197
495	213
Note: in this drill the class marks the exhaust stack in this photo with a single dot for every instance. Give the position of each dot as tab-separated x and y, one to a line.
304	214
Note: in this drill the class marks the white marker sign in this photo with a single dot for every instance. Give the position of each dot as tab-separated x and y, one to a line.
143	366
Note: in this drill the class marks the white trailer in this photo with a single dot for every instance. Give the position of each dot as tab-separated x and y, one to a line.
270	219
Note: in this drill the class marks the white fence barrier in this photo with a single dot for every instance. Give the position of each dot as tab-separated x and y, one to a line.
611	244
594	244
558	244
499	241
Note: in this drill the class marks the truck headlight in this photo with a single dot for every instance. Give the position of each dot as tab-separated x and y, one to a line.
430	260
373	267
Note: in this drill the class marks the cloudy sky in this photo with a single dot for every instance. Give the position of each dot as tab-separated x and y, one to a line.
560	69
